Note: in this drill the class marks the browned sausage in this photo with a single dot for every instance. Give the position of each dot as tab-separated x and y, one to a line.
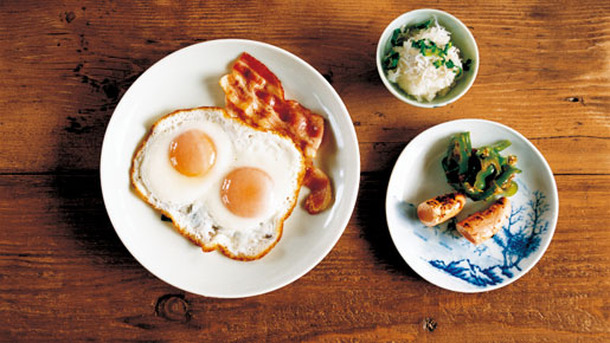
481	226
440	209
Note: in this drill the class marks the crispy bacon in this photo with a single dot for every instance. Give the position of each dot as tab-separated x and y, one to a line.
254	94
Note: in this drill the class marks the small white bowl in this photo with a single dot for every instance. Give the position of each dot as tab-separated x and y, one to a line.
460	36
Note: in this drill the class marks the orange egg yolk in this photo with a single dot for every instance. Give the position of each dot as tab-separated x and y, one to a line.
247	192
192	153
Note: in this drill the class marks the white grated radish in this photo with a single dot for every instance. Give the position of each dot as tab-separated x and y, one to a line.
425	76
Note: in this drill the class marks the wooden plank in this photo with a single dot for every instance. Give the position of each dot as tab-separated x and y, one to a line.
65	71
65	275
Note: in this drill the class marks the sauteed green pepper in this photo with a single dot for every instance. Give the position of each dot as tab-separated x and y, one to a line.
480	173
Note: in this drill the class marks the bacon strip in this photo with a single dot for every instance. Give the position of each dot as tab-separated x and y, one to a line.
255	95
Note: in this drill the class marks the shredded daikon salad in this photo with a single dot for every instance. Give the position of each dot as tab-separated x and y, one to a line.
423	61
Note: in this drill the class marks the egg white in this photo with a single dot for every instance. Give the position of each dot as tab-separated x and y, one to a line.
194	203
163	180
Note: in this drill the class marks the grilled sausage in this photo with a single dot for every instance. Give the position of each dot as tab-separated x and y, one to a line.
440	209
481	226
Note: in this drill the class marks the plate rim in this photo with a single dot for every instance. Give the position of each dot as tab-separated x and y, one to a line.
350	191
547	169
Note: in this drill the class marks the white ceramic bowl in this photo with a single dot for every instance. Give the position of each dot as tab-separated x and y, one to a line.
460	36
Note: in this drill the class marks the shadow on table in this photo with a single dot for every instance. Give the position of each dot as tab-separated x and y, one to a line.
370	213
76	179
82	209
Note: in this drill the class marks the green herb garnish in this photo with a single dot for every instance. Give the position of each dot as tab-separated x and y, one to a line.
395	36
425	46
467	64
447	47
458	72
391	61
423	25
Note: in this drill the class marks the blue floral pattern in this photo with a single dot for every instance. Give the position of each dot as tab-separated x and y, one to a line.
518	239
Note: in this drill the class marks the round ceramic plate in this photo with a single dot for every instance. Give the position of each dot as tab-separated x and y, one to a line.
189	78
440	254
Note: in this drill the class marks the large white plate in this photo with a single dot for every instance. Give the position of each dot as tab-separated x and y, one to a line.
189	78
440	254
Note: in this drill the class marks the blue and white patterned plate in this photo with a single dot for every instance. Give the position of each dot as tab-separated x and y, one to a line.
440	254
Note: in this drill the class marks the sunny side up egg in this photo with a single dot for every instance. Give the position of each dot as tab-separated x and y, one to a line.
224	184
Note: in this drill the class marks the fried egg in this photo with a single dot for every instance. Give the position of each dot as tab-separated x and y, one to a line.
224	184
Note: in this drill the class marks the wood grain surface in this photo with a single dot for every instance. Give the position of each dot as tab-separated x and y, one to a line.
65	275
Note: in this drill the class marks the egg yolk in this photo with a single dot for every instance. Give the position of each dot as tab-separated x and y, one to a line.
247	192
192	153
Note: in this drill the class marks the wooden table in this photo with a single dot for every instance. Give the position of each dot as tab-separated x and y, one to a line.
66	276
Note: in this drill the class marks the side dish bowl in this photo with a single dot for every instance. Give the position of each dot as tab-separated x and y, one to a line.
460	36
